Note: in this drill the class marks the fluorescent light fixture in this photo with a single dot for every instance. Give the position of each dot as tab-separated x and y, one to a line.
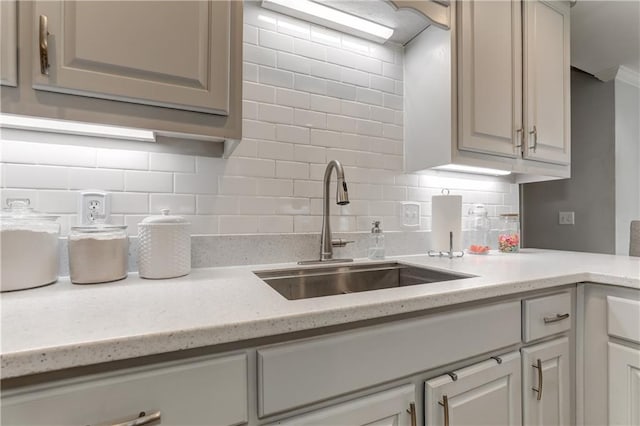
330	17
11	121
474	170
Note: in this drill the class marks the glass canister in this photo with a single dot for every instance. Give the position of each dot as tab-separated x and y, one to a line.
98	253
28	246
478	230
509	236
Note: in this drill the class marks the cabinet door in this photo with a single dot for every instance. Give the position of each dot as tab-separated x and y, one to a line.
8	43
550	404
205	391
395	407
164	53
490	77
624	385
487	393
547	84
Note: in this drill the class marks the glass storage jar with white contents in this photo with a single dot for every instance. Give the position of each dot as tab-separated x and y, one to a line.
98	253
509	236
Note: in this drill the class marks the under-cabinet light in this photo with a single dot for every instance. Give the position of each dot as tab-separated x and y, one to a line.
11	121
474	170
330	17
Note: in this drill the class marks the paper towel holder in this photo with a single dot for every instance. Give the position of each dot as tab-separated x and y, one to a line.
451	254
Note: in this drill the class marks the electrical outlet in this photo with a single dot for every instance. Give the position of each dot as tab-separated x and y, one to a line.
410	214
95	207
566	218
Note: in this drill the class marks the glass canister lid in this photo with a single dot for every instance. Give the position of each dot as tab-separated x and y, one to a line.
163	218
99	231
478	210
19	214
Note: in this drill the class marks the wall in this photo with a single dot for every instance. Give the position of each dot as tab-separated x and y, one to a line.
590	192
627	141
310	95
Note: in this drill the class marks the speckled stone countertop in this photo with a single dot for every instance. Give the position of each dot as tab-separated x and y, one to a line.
65	325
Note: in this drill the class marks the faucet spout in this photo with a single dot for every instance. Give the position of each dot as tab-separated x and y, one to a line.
342	198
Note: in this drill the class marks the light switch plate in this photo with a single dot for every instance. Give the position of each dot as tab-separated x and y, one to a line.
410	214
566	218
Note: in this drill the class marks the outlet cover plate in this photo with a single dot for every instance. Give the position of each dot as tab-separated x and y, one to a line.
94	207
566	218
410	214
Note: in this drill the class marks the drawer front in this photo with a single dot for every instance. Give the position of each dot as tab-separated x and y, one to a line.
204	391
623	318
546	316
293	375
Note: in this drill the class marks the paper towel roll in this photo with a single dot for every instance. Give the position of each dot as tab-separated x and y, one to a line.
446	213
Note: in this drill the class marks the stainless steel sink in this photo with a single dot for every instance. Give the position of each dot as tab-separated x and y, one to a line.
304	283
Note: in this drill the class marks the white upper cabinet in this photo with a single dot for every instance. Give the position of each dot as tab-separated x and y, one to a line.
547	79
8	43
490	77
164	53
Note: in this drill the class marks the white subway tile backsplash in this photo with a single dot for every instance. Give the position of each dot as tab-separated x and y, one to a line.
305	83
148	181
311	95
275	77
294	63
129	203
122	159
31	176
259	55
310	119
278	42
176	203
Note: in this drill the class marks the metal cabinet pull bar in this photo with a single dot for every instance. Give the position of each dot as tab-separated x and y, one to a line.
518	140
44	45
453	375
534	132
558	317
498	359
538	365
142	419
445	404
412	413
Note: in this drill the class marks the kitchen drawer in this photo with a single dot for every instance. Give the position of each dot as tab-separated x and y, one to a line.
210	391
623	318
546	316
312	370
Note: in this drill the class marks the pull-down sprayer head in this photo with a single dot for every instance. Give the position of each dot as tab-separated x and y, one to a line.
342	195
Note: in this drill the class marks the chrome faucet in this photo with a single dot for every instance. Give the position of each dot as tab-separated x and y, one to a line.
342	199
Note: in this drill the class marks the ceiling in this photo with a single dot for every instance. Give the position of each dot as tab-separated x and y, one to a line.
605	34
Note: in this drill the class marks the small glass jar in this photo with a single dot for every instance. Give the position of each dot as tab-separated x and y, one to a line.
509	236
98	254
478	230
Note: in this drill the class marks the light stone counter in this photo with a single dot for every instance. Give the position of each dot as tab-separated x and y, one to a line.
66	325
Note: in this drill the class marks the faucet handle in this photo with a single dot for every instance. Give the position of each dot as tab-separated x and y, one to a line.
340	242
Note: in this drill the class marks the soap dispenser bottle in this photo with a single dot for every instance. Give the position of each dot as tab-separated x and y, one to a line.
376	242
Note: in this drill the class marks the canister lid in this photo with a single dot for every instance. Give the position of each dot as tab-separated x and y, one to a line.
18	209
100	228
165	218
478	210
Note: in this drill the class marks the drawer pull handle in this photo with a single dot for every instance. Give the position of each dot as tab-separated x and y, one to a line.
412	413
142	419
445	404
538	366
558	317
44	45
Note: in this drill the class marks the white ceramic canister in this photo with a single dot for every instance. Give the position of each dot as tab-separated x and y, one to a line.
164	246
28	247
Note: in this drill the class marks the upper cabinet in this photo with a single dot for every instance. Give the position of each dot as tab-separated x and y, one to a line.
170	66
493	91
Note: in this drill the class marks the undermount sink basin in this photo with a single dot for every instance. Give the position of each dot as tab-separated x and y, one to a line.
305	283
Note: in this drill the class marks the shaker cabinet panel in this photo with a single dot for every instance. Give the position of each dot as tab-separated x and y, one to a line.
487	393
490	77
546	387
8	43
547	81
624	385
206	391
166	53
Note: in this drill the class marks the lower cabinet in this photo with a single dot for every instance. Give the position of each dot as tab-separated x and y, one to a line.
205	391
546	386
487	393
395	407
624	385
